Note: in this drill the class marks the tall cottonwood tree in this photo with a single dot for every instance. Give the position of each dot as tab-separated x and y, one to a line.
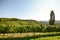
52	18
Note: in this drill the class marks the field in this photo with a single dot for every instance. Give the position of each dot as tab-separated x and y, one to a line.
46	37
17	29
31	36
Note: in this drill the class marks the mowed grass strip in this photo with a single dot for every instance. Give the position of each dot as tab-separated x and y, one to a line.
21	35
48	38
39	37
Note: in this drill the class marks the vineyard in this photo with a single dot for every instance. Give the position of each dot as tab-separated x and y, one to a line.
13	29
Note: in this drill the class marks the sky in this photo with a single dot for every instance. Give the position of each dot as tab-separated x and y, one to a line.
29	9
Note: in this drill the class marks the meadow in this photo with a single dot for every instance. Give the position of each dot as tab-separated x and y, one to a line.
17	29
37	37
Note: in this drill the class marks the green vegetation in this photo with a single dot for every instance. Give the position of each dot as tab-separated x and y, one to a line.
13	25
48	38
52	18
17	29
40	37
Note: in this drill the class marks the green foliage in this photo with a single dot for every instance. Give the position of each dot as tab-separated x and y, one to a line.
24	29
51	29
52	18
58	29
1	29
23	26
8	19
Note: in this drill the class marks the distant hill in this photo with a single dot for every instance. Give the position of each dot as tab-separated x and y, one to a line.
47	22
19	22
14	25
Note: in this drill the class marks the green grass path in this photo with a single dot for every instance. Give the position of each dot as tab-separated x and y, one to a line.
41	37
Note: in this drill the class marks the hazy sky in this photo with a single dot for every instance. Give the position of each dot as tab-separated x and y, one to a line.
29	9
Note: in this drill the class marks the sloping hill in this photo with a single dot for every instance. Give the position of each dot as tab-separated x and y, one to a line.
15	25
18	22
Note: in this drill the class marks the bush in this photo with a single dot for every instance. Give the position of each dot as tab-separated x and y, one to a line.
24	29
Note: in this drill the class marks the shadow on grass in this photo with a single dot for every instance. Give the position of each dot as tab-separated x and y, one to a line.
32	37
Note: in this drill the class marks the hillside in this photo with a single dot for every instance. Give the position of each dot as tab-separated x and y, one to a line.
21	22
18	22
15	25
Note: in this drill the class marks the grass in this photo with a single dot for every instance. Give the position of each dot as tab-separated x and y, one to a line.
48	38
20	35
40	37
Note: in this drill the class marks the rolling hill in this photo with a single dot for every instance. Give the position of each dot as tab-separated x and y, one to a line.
18	22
